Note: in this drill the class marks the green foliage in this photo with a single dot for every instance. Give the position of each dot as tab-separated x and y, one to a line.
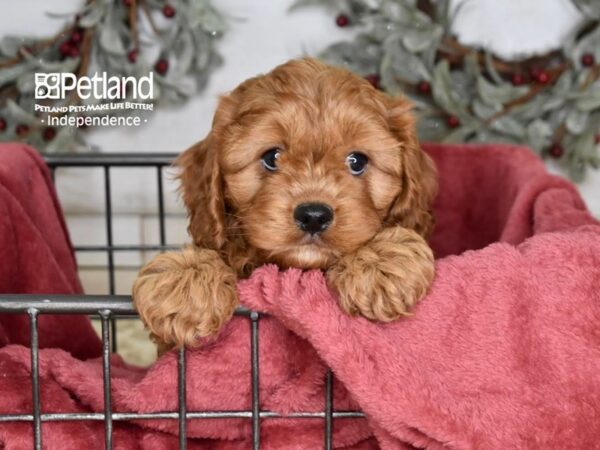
406	45
186	41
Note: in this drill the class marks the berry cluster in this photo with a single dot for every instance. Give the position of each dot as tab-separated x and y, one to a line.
71	48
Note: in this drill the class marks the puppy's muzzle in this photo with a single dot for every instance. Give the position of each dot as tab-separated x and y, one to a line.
313	217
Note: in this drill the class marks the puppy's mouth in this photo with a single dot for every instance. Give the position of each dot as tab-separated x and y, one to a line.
312	240
311	252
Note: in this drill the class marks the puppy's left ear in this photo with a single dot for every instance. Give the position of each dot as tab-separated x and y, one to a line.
412	207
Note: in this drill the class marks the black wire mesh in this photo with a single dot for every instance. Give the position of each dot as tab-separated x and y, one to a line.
110	307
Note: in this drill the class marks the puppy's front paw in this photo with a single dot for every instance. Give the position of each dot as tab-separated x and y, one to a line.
183	296
383	279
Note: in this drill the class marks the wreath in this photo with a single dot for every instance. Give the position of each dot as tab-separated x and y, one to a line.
174	39
463	94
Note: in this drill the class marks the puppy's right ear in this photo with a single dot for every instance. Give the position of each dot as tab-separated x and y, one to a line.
202	192
202	182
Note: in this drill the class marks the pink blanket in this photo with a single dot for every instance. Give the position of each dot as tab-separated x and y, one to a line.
503	353
36	254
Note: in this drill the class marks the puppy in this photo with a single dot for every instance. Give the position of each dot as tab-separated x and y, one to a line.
308	166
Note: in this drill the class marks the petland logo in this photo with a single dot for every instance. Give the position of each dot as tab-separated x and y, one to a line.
57	86
103	101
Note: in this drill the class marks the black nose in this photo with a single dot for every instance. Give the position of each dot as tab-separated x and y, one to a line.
313	217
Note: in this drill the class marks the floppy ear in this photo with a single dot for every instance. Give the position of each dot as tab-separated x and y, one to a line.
202	192
202	182
412	208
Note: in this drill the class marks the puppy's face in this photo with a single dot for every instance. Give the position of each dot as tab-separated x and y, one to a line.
308	163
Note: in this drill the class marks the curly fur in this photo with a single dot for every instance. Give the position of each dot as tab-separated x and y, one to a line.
181	296
385	277
375	251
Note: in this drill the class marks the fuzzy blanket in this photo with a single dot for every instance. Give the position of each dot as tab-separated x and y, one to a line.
503	353
36	254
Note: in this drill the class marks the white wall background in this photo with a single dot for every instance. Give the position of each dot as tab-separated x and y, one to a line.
262	35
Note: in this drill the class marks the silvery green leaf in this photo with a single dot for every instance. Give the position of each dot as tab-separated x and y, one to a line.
389	80
407	65
360	56
417	40
588	7
576	168
63	141
10	74
448	15
93	17
553	103
463	85
590	99
202	45
471	67
489	66
577	121
539	134
20	115
564	84
498	94
10	45
110	39
443	13
68	65
206	17
509	126
443	93
431	128
589	43
557	117
183	86
185	53
487	135
297	4
462	133
483	110
582	150
26	83
532	109
56	15
398	12
430	54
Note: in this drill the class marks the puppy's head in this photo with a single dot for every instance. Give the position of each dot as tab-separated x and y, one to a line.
303	165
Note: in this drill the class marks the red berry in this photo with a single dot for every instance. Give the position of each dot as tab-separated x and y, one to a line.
517	79
453	121
127	2
132	55
556	151
74	52
373	79
342	20
168	11
588	60
49	134
65	48
22	129
161	66
76	37
424	87
543	77
539	75
2	124
596	138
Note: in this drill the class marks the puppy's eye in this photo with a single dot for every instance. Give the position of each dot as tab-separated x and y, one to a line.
357	163
269	159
